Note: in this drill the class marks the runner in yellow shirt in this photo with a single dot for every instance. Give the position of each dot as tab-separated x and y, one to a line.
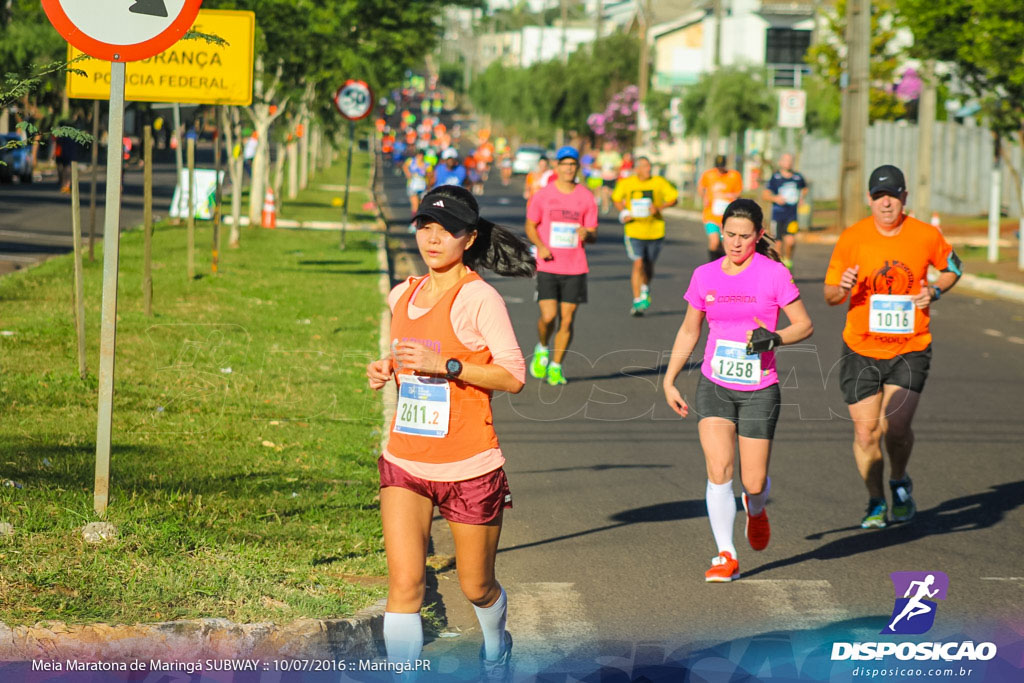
640	199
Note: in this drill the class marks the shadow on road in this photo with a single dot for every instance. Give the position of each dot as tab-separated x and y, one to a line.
662	512
967	513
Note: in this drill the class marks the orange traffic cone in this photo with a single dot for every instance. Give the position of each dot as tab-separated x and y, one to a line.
935	220
269	218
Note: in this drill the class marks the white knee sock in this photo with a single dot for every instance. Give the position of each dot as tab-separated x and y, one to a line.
492	625
403	636
722	514
756	503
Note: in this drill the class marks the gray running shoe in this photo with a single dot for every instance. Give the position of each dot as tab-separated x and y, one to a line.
903	507
500	669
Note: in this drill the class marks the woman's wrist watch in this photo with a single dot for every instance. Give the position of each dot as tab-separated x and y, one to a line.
452	368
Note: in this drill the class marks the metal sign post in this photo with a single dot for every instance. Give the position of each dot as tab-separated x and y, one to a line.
108	320
354	101
348	179
113	31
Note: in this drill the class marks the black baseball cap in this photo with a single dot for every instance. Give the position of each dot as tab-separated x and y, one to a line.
720	161
887	180
453	206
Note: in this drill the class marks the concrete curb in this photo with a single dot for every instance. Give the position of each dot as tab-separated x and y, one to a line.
197	638
998	288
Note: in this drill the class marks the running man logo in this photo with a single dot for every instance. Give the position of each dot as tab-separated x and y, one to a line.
914	612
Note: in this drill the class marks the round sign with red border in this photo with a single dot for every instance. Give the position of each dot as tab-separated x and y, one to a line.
122	30
354	100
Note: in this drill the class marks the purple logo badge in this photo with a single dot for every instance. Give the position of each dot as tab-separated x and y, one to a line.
916	592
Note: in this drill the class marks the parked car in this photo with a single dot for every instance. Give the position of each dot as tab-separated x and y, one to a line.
526	158
17	161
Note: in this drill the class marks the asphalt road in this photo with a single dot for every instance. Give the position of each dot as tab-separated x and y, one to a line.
35	219
604	552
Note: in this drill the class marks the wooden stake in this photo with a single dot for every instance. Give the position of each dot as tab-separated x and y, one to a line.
76	232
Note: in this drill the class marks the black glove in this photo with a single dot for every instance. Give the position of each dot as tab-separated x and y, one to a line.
762	340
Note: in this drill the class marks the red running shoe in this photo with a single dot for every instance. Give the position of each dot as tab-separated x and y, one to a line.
724	568
758	530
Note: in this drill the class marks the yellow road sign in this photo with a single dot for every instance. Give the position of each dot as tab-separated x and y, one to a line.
188	71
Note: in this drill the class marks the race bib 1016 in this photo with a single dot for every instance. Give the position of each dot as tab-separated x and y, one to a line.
891	314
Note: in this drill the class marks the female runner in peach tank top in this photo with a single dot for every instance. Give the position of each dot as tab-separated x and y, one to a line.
443	449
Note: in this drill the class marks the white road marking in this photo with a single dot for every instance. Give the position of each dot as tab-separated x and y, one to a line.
797	603
548	622
992	333
1002	578
1015	340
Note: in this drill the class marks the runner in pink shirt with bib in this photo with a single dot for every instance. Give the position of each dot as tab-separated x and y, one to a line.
561	218
737	393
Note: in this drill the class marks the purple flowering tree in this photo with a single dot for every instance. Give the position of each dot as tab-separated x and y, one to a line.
618	120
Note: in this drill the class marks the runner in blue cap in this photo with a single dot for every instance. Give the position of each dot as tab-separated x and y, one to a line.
561	218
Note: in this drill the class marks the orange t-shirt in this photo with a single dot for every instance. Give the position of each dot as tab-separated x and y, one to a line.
888	265
719	190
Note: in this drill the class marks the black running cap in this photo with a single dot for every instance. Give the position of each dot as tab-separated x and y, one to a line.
887	180
720	161
452	206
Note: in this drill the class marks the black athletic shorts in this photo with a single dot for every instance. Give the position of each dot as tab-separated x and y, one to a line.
862	377
569	289
755	413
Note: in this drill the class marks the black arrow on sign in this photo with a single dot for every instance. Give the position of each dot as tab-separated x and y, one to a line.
154	8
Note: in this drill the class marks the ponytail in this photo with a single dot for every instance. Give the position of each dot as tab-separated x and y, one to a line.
500	250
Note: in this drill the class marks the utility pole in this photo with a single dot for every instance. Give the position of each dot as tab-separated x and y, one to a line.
641	114
565	20
855	111
716	65
922	197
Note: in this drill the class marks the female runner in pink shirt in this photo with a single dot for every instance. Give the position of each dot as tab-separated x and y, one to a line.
737	393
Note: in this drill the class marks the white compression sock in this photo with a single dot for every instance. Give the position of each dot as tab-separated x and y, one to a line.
403	636
492	625
756	503
722	514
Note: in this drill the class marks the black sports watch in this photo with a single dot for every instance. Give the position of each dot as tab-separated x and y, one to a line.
936	293
452	368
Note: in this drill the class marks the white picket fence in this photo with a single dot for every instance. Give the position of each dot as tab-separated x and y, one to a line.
961	165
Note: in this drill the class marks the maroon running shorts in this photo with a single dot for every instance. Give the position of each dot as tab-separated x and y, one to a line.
473	501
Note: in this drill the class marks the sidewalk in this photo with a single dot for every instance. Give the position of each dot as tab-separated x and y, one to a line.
1002	279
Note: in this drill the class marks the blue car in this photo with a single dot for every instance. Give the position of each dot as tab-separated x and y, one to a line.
17	161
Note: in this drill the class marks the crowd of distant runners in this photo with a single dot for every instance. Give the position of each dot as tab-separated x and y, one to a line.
453	345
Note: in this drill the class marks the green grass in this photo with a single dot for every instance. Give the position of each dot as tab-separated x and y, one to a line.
248	494
314	204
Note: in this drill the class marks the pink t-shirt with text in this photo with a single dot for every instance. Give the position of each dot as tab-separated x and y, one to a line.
555	212
732	302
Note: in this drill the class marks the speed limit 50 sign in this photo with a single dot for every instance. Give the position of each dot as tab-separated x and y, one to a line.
354	100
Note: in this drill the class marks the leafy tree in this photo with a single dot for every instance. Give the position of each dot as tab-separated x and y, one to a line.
824	107
827	57
545	96
735	98
983	40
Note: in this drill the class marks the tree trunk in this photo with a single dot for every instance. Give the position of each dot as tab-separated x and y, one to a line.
292	149
260	163
230	124
304	153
